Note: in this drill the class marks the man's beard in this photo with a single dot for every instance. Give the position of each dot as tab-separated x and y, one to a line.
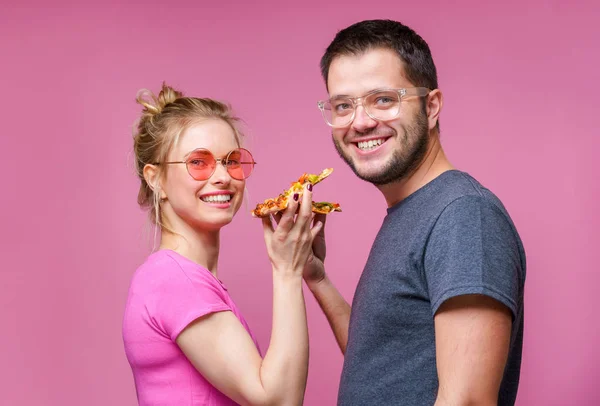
403	162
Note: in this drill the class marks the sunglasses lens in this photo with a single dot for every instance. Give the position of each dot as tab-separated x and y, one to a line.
240	163
201	164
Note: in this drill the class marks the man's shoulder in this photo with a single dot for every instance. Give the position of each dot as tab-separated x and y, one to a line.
453	194
453	197
465	201
457	187
471	190
456	183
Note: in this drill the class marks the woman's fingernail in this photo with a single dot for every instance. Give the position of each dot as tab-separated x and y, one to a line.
296	196
309	187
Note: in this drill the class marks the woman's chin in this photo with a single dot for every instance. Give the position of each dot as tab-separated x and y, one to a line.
213	224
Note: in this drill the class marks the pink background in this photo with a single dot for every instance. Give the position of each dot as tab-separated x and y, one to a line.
521	89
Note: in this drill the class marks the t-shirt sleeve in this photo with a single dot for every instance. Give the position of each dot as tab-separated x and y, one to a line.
472	249
183	296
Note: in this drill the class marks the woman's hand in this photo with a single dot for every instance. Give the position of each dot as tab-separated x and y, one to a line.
290	245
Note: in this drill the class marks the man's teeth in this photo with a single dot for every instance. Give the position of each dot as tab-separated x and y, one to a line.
369	145
216	198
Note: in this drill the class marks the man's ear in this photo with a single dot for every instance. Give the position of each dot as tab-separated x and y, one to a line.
153	179
435	102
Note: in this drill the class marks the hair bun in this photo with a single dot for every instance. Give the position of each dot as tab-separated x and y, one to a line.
153	104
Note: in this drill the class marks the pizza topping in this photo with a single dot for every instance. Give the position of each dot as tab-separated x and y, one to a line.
325	207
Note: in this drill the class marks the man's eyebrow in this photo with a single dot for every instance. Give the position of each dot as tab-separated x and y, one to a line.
339	96
378	89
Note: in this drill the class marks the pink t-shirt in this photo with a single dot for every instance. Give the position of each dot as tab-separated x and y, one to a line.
167	293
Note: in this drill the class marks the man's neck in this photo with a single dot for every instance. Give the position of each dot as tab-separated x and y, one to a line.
433	165
201	247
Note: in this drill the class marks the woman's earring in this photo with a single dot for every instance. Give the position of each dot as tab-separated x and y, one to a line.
158	192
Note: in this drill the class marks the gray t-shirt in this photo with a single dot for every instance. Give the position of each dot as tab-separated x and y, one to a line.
449	238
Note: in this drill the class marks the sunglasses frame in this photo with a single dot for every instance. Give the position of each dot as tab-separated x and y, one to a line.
222	161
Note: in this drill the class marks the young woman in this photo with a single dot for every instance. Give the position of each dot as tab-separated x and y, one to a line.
185	339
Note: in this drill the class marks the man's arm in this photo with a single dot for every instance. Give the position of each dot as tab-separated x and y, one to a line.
472	336
333	304
474	273
335	307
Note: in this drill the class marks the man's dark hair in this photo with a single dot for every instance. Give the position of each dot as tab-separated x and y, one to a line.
371	34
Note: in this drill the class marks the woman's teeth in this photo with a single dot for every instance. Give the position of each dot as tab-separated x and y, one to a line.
216	198
369	145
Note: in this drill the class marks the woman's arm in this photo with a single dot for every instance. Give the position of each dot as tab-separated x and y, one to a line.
223	352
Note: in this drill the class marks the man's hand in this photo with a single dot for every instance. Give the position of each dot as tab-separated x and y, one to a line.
314	271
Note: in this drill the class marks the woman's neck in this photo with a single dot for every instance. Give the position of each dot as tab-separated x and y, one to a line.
201	247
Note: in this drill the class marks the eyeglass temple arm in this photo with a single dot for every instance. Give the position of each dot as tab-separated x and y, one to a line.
418	91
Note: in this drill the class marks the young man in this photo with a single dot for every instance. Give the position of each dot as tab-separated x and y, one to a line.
437	317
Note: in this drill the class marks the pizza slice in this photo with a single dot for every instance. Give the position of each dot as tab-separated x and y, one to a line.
272	206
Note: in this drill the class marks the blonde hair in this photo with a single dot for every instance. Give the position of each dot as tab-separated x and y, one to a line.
164	118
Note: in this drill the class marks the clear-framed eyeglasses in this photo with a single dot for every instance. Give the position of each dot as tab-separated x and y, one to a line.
380	104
